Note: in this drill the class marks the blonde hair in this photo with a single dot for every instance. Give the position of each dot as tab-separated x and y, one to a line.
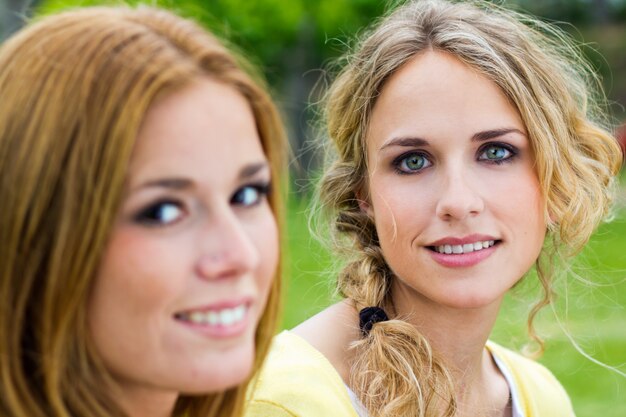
541	71
75	88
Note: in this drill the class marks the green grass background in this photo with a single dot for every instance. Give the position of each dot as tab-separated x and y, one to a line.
591	308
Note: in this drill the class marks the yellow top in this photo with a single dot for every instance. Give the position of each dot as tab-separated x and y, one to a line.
298	381
539	392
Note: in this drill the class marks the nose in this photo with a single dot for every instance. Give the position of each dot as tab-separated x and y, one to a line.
459	198
227	249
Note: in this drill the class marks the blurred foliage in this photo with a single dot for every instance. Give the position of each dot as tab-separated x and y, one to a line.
578	12
272	30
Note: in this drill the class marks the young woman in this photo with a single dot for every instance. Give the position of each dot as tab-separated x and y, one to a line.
467	149
139	236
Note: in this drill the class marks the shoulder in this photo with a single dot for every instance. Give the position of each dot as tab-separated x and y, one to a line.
539	391
297	380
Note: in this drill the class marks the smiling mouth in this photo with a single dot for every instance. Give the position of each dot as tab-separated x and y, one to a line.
219	318
462	249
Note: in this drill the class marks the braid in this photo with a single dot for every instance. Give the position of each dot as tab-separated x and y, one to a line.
395	372
366	280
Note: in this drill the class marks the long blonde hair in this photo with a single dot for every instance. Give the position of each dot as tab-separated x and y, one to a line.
541	71
75	88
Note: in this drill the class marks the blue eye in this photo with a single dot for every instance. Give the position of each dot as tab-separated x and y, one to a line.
160	214
410	163
495	153
250	195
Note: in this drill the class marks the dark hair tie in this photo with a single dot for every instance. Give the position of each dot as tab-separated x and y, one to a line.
369	316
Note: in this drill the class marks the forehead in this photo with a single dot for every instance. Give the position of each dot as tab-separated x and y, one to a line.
436	94
206	130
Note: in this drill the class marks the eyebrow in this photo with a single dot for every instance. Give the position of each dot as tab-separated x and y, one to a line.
476	137
251	170
174	183
405	142
494	133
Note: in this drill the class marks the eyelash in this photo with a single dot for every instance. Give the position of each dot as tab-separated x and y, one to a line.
397	162
509	148
148	214
263	190
513	152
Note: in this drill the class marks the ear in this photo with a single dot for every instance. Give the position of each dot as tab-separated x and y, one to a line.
364	203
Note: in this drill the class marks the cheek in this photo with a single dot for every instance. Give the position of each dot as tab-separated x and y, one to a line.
536	221
523	211
526	204
136	276
399	211
264	235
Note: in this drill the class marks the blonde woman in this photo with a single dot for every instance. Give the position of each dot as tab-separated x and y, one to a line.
139	238
467	148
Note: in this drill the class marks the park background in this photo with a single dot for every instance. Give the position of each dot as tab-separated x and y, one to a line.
295	41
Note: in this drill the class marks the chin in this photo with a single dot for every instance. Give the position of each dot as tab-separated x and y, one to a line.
467	304
468	301
222	371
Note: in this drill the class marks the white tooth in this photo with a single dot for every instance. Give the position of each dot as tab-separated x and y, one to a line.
447	249
196	317
468	247
440	249
485	244
240	312
226	317
457	249
492	242
478	246
213	318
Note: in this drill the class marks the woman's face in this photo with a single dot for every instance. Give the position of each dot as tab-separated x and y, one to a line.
452	187
187	271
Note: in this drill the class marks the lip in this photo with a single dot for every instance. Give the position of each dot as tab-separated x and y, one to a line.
462	240
220	305
219	331
463	260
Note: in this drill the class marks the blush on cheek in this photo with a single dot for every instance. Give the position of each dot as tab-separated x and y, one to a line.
128	278
139	267
265	239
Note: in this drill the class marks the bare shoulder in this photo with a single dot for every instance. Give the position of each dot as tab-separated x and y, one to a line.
331	332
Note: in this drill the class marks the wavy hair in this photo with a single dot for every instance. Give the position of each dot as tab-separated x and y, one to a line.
541	71
75	88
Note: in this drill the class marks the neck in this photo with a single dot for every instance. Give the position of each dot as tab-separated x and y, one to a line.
458	335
